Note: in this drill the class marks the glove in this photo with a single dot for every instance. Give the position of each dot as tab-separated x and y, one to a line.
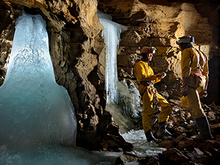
161	75
184	90
203	94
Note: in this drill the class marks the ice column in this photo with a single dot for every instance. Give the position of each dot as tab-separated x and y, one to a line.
34	109
111	35
122	101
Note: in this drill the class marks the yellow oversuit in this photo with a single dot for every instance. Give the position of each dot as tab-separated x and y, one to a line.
193	61
144	73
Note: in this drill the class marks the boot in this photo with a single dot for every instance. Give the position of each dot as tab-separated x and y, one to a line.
204	127
150	137
163	132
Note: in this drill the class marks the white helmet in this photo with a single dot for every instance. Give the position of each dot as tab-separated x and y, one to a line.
185	40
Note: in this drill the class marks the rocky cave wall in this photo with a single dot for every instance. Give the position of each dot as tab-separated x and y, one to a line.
78	51
159	24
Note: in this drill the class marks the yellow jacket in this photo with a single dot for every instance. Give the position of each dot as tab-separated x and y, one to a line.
192	61
144	72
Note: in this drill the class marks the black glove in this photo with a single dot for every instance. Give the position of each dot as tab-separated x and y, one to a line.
184	89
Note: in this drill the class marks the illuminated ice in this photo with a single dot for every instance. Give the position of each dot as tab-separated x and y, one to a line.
56	155
111	35
123	101
34	109
141	147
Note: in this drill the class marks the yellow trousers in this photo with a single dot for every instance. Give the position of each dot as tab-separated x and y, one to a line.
192	102
147	113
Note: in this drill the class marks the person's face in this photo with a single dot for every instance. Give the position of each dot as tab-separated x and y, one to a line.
150	56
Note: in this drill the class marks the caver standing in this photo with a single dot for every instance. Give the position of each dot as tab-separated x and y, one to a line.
146	78
194	66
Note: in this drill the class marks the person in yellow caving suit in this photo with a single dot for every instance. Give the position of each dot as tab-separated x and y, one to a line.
194	66
146	78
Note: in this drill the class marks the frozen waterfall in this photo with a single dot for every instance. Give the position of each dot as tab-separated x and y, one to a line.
34	109
123	101
111	34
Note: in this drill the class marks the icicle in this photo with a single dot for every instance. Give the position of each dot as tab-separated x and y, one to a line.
111	35
123	101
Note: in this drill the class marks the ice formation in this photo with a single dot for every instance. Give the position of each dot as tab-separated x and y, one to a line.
141	147
111	35
34	109
123	101
56	155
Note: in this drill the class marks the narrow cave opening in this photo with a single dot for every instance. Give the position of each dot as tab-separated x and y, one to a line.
32	10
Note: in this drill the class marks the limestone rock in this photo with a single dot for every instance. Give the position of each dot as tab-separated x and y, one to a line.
175	155
166	144
186	143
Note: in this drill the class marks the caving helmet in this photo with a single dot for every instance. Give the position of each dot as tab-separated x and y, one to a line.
148	50
185	40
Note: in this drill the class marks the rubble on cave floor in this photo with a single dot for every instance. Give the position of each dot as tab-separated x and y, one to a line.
182	149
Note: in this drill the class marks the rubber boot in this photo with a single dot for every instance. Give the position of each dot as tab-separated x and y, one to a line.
163	132
150	137
204	127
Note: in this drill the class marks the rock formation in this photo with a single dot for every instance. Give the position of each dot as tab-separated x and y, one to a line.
77	50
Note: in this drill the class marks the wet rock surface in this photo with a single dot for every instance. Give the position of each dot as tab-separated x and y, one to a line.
182	148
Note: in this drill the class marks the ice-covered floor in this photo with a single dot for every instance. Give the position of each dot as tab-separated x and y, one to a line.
55	155
141	147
